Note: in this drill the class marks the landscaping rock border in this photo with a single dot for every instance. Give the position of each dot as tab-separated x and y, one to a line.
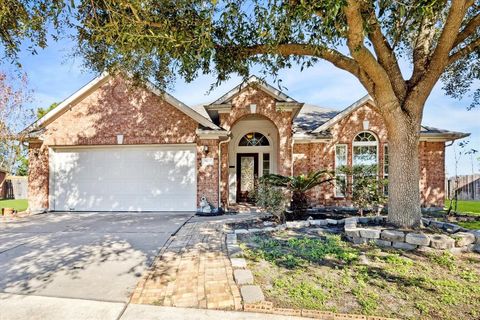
362	230
456	239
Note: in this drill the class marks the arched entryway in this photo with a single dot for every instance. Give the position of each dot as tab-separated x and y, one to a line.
252	152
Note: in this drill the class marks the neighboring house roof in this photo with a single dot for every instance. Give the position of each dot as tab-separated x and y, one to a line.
36	128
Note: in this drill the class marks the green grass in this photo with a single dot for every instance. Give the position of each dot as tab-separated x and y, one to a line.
472	225
17	204
326	273
467	207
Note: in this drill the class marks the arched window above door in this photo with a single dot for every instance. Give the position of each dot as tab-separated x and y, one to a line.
254	139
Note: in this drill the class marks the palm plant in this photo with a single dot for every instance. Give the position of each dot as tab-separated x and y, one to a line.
298	186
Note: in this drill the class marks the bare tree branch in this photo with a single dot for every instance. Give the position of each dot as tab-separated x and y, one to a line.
465	51
421	49
446	41
335	57
364	58
439	59
468	31
386	55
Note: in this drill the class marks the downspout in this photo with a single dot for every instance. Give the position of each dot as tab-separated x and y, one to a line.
220	169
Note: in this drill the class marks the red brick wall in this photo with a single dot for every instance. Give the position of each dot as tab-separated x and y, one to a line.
432	173
38	182
117	108
207	176
113	108
316	156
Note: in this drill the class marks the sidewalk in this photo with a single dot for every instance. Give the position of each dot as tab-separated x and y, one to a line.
39	308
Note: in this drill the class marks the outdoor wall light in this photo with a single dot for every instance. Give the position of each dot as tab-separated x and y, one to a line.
253	108
119	138
366	124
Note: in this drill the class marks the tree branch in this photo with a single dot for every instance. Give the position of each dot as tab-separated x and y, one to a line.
365	59
440	57
335	57
421	49
446	41
386	56
468	30
463	52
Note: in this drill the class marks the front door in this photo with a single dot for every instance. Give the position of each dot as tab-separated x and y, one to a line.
247	174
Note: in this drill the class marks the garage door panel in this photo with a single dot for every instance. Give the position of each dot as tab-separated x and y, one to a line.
125	179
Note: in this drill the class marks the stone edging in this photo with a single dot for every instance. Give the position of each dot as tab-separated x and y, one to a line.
458	239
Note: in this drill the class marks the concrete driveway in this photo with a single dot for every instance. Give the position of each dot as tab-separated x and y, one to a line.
94	256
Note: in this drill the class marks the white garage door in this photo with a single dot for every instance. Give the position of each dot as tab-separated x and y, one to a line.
124	179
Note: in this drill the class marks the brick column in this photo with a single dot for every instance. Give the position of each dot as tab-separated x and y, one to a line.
38	177
207	174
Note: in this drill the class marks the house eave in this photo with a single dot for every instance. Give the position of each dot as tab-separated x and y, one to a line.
305	138
293	107
211	134
434	137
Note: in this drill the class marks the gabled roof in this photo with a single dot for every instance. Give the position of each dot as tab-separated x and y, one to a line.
275	93
342	114
426	132
96	83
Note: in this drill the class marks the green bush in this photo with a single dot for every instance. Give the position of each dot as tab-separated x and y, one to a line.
272	199
298	186
365	187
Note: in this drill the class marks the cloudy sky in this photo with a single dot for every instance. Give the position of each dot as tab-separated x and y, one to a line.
53	76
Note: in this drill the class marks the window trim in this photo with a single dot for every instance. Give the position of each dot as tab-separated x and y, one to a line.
340	196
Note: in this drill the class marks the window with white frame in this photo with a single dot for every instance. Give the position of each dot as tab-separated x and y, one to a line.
385	167
340	161
365	149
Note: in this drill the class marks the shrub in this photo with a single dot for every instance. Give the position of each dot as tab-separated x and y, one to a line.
367	189
298	186
272	199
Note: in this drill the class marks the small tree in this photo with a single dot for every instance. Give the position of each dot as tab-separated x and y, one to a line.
367	189
458	155
298	186
14	116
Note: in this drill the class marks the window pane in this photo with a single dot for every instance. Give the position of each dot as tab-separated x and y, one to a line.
364	155
340	160
385	168
340	155
266	163
385	160
253	139
340	184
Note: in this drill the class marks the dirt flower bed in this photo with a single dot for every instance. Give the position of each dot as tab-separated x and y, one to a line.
321	271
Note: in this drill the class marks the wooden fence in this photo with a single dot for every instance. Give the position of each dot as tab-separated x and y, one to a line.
15	187
468	187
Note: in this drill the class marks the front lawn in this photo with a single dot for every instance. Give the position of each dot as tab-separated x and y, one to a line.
18	204
466	207
326	273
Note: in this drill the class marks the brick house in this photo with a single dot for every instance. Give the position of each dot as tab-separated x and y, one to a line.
115	147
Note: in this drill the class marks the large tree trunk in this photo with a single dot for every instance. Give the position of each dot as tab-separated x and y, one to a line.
404	208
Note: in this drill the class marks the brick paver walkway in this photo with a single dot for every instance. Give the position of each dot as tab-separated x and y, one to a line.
193	271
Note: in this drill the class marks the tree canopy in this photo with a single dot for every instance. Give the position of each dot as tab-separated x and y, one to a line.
159	40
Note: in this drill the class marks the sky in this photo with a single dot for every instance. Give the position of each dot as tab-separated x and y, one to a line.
54	75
